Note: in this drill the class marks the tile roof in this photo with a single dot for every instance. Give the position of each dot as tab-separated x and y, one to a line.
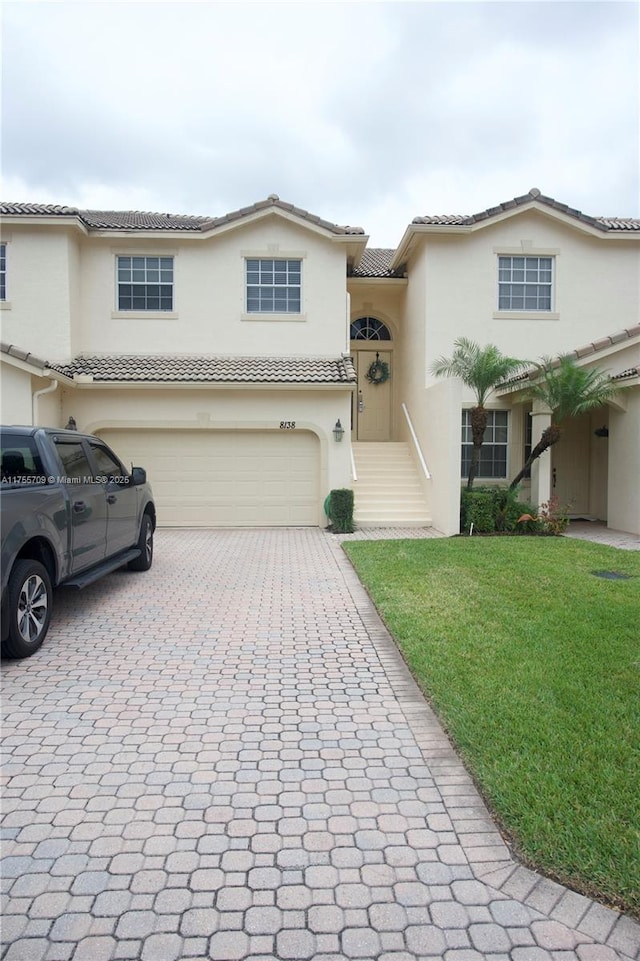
602	223
25	355
376	262
212	369
594	347
626	374
274	201
143	220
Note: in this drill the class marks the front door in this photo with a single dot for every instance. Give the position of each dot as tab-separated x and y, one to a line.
570	463
372	418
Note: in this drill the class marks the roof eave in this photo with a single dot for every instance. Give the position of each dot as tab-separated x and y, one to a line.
582	223
209	385
24	360
359	281
311	222
583	356
45	220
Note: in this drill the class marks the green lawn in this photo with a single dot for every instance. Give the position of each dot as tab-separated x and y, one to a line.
533	665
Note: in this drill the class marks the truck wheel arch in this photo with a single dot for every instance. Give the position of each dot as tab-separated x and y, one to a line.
39	549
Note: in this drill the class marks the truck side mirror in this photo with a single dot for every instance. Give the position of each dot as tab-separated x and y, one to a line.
138	476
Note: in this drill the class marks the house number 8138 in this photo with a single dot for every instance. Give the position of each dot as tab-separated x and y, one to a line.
287	425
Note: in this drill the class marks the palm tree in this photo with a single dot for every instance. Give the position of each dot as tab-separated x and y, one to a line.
568	391
481	369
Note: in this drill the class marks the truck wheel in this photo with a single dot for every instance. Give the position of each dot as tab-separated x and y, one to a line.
144	545
30	597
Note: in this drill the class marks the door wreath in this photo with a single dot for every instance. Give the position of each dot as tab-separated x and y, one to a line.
378	371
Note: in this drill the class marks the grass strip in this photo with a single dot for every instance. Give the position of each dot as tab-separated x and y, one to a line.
533	665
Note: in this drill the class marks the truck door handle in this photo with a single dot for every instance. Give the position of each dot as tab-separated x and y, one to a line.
79	506
111	498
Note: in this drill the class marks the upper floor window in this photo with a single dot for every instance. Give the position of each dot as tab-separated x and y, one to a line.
493	454
369	328
145	283
525	283
273	286
3	271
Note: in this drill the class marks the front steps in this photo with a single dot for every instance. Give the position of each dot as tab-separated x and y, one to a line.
388	491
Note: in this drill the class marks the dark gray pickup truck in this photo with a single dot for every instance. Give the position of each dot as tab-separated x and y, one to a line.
71	513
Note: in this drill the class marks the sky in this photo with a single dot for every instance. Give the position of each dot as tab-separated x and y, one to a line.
364	113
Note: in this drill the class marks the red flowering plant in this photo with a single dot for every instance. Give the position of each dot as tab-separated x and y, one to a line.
551	517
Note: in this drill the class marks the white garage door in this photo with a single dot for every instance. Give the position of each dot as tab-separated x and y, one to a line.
226	478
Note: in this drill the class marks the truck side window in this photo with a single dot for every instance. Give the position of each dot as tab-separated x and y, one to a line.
20	459
74	461
107	464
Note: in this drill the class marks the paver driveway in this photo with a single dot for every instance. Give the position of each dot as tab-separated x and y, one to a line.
225	758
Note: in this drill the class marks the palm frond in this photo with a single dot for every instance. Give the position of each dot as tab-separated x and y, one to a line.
569	390
479	368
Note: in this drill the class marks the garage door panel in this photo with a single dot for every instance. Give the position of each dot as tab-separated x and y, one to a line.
227	478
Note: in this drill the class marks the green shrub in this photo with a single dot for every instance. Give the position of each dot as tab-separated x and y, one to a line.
495	509
339	509
478	508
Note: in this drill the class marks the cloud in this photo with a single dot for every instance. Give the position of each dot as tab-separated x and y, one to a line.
367	113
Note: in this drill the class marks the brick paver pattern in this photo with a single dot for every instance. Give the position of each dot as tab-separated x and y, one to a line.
225	758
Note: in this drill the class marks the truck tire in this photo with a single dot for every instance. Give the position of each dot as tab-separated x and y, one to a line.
29	598
144	545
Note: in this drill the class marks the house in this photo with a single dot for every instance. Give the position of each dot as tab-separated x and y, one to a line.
255	361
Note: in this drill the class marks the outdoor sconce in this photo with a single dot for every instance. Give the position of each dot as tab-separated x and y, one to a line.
338	431
601	432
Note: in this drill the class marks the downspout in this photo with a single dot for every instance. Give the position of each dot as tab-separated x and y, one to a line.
39	393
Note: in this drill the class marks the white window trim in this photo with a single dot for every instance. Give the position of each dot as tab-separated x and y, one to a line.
486	480
6	303
527	251
144	315
116	313
272	252
525	315
263	316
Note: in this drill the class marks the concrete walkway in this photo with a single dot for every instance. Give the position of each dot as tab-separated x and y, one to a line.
599	533
226	758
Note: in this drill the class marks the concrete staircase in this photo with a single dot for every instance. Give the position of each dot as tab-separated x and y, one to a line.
388	491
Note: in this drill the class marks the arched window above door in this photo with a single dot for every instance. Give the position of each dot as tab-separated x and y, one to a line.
369	328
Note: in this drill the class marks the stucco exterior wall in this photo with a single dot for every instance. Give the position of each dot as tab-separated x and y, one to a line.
75	287
434	409
209	296
596	287
623	510
39	285
15	396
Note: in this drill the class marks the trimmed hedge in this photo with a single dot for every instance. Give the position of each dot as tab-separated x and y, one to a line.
495	509
338	507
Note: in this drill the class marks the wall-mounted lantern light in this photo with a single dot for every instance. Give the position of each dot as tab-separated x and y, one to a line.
602	431
338	431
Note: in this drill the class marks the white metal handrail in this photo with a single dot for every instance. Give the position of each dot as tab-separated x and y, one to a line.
354	472
416	444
